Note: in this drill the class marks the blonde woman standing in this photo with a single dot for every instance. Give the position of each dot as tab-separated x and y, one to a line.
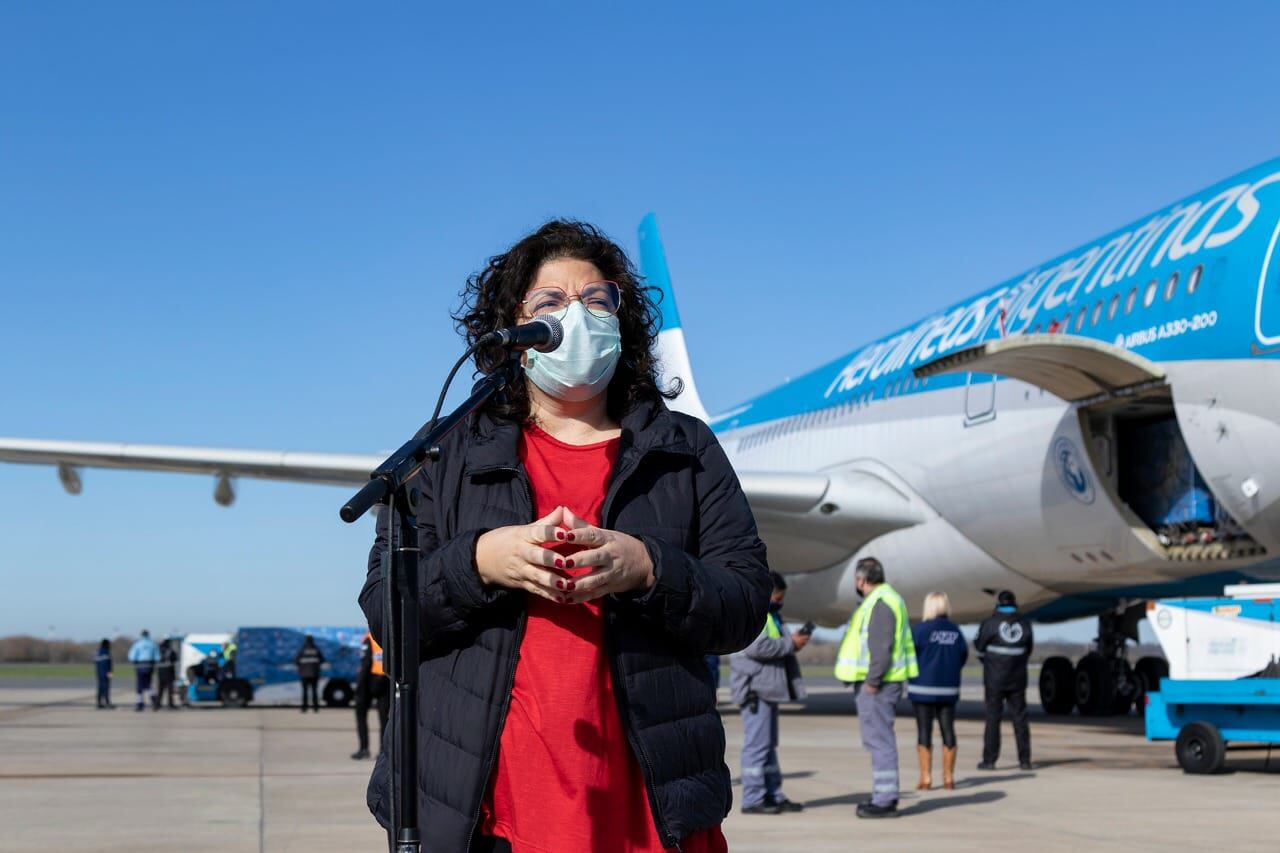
941	652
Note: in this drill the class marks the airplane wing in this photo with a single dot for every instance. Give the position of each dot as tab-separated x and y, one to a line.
333	469
817	519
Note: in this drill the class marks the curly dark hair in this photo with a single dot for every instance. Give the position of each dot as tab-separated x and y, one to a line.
492	299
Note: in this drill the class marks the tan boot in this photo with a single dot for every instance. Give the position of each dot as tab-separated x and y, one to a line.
949	767
925	754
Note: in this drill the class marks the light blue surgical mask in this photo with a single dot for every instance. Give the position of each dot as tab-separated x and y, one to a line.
581	367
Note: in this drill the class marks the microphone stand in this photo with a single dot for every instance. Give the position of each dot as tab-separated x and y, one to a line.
390	486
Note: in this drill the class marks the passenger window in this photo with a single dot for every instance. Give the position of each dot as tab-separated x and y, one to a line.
1130	300
1150	295
1111	309
1171	287
1080	318
1193	280
1097	313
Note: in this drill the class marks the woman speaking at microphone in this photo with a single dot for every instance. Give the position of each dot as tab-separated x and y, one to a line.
582	549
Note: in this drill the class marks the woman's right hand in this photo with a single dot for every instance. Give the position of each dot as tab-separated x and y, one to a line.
513	557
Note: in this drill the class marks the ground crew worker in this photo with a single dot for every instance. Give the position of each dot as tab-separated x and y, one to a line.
229	658
760	676
309	660
877	656
941	653
372	687
1004	641
166	673
144	656
102	666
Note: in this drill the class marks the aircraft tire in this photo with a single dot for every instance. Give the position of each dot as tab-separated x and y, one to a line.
1095	691
1057	686
235	693
338	693
1200	748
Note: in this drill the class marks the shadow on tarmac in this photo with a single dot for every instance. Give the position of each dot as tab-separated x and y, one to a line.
933	803
979	781
840	702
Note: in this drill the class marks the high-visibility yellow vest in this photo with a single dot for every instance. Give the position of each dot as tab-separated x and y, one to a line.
854	658
771	628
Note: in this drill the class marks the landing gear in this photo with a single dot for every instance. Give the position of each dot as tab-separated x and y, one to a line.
1057	686
1102	683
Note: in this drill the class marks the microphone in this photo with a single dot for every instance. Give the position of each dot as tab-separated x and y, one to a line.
541	333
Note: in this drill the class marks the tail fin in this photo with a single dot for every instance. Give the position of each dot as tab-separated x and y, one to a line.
673	358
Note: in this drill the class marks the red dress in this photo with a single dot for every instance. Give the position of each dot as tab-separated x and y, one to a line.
565	778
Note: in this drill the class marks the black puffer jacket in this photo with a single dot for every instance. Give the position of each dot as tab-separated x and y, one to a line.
673	488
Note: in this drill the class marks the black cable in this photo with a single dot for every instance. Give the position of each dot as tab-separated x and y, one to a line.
444	390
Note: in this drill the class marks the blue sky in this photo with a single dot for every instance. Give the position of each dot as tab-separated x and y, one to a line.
209	211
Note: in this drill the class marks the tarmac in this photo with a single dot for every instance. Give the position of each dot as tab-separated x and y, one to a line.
73	778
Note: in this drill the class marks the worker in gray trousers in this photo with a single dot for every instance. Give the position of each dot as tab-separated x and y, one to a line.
762	675
877	656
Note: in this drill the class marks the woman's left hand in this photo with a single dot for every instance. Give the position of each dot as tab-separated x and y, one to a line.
622	562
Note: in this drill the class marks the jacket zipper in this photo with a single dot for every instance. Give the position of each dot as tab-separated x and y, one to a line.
630	463
511	683
669	840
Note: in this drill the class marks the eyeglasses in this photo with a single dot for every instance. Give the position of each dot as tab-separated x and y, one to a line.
601	298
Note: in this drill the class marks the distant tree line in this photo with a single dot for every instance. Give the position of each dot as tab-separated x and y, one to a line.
23	648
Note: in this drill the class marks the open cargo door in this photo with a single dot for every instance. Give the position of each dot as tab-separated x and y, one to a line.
1073	368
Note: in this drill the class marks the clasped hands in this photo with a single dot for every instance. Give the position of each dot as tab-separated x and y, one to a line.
515	557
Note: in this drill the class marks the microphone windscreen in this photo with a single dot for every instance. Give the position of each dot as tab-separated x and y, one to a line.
557	332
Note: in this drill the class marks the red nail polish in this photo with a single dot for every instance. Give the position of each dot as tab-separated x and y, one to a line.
568	564
559	564
559	534
569	536
559	584
571	586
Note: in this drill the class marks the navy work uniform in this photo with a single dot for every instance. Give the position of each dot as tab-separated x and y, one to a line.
1004	640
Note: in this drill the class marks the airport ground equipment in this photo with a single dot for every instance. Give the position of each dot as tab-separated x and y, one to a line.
1234	636
1223	692
192	651
1205	719
265	672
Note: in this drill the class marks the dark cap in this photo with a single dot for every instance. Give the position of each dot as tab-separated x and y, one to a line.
1006	599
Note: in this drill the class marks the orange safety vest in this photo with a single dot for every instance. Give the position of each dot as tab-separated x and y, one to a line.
376	669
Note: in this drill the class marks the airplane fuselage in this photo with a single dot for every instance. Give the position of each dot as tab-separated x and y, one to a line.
1021	490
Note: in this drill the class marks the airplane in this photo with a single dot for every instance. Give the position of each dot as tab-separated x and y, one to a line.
1092	434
